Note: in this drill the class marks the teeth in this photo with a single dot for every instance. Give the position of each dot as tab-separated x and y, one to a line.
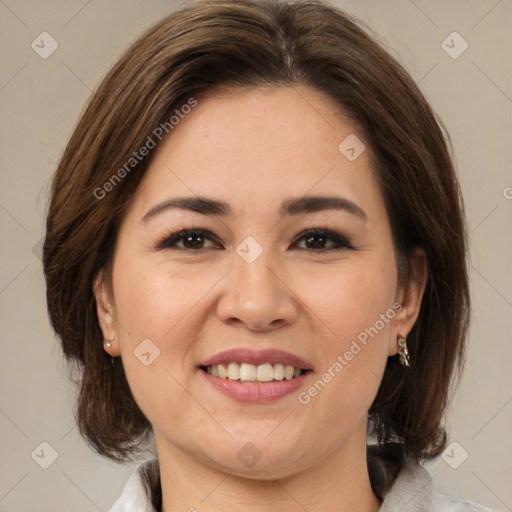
223	371
279	371
233	371
265	372
246	372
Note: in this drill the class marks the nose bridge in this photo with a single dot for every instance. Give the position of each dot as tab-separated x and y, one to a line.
257	295
252	272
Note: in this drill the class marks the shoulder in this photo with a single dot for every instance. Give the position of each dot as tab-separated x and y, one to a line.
440	503
413	491
406	486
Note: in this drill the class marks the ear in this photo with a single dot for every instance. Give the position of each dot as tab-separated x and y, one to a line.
409	296
106	314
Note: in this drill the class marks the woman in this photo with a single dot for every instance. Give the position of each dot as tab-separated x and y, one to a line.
256	253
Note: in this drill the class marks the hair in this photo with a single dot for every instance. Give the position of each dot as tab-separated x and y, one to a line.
209	45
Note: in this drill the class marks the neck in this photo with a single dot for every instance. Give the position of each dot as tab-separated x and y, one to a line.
339	481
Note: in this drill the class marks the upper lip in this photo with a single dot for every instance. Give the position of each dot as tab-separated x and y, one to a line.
256	357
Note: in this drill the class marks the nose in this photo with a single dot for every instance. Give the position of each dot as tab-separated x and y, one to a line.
256	295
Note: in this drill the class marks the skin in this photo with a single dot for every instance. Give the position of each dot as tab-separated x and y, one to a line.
255	149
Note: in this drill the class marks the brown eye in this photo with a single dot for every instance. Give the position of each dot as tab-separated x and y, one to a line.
316	240
319	239
190	239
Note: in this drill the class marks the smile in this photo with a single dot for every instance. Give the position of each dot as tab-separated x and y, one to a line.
246	372
256	390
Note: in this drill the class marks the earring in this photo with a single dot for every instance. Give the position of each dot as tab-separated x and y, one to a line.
402	350
108	343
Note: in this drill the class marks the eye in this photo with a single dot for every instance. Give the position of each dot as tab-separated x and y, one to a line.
317	239
193	239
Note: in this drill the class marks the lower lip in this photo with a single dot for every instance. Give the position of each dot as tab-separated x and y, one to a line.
255	392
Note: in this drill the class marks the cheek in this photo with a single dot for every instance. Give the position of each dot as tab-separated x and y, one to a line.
161	309
351	297
356	305
153	300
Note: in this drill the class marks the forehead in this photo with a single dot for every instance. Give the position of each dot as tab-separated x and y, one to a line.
253	147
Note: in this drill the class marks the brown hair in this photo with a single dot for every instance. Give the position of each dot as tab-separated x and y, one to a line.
250	43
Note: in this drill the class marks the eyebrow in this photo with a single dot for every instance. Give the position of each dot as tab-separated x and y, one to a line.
303	205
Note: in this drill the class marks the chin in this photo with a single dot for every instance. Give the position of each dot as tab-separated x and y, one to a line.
260	459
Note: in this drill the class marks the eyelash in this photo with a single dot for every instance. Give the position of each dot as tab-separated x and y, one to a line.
169	242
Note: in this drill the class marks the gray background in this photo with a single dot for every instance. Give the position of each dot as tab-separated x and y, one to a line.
41	100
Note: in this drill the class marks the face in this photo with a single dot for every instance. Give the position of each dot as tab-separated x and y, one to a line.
193	280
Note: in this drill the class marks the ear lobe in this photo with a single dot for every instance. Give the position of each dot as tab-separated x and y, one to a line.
409	296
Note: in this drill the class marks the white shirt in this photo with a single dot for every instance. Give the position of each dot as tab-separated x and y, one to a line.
411	491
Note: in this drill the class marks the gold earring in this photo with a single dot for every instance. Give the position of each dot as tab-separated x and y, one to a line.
402	350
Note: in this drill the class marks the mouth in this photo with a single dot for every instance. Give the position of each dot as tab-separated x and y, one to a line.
249	375
247	372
